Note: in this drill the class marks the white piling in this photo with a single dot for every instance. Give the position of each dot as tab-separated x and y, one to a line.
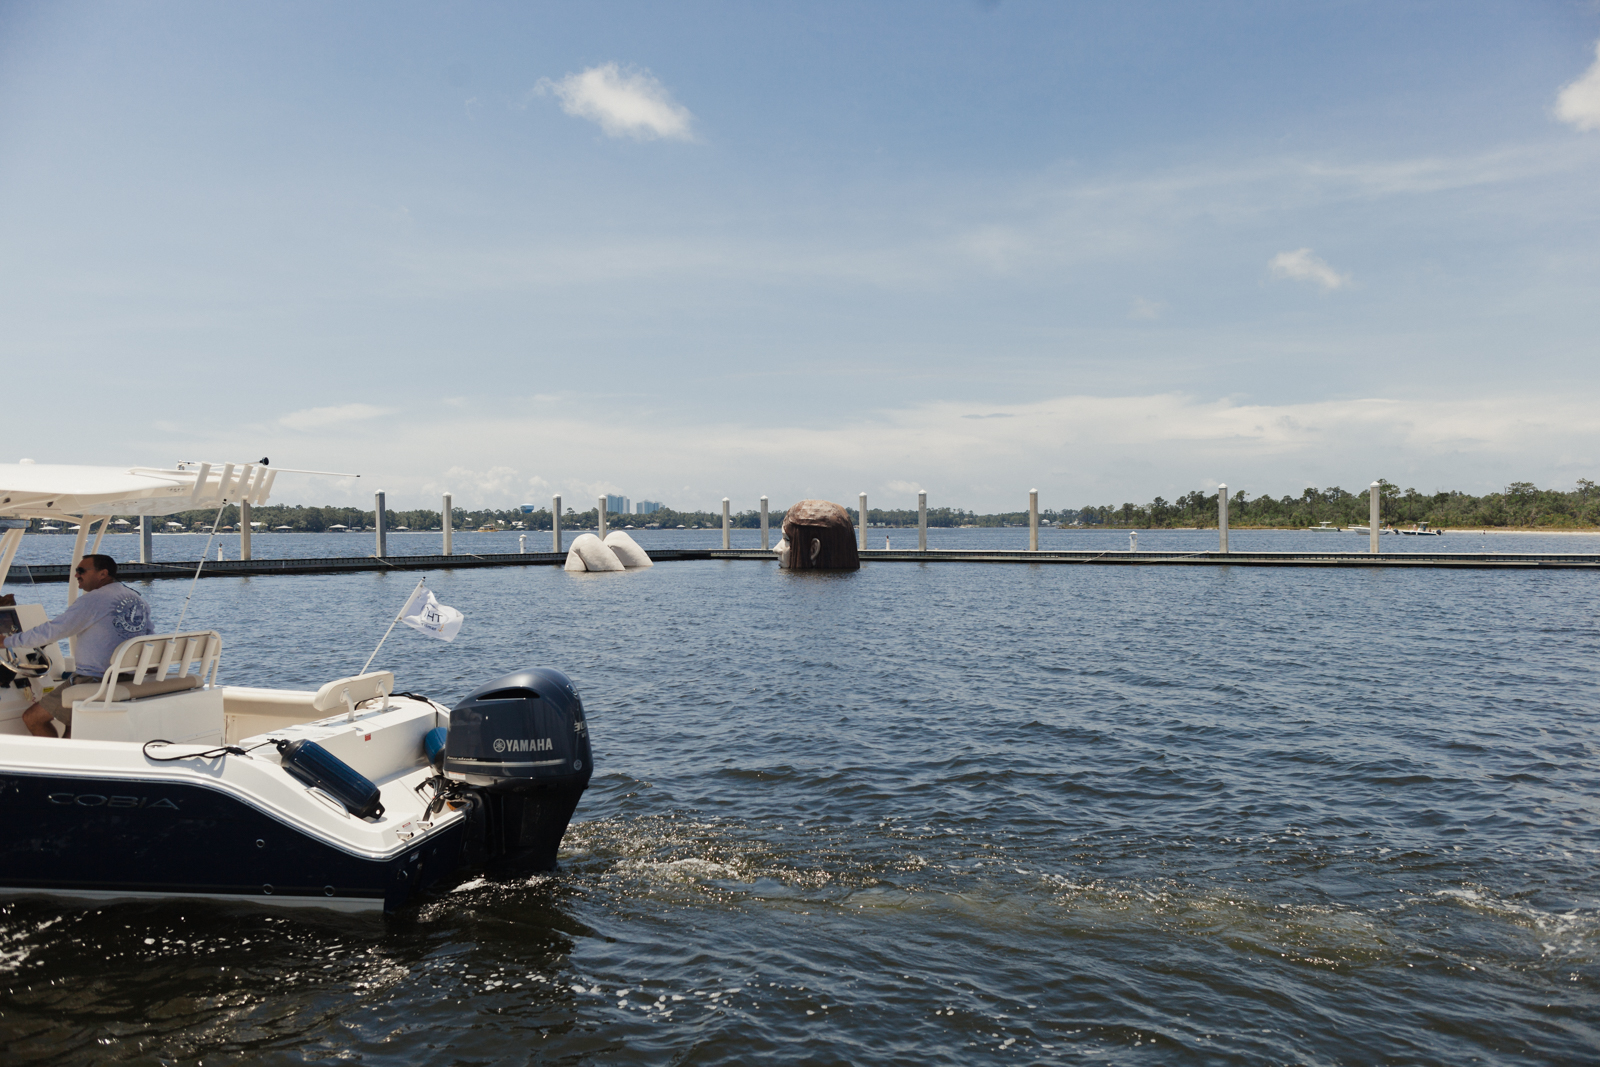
147	552
555	524
1133	540
922	521
244	529
1222	517
863	520
448	525
522	543
602	513
766	545
1372	520
1033	520
725	526
383	541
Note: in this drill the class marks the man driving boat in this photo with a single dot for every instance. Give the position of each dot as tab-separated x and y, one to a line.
105	615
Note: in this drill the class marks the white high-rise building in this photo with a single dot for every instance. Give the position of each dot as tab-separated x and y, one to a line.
617	505
646	507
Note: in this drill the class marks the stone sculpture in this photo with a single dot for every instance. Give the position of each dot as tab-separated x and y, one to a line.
818	536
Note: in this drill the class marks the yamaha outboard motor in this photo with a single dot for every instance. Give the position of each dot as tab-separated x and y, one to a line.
520	744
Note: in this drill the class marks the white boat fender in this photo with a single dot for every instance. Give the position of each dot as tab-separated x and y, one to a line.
321	769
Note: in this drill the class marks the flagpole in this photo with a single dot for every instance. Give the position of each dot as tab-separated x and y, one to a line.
392	625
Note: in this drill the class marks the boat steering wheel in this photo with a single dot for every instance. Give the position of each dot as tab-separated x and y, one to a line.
25	662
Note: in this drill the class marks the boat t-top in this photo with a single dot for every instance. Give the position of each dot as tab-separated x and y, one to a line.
351	796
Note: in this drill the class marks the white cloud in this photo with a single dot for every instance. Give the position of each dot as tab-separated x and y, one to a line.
332	417
1579	103
625	103
1302	266
1077	449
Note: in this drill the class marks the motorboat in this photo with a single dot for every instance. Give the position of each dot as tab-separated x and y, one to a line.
353	796
1420	530
1325	527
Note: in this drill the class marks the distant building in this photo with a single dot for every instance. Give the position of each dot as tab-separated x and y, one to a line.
648	507
617	505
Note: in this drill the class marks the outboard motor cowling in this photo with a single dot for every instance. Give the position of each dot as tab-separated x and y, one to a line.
522	743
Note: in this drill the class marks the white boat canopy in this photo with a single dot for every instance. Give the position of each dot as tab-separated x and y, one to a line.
59	491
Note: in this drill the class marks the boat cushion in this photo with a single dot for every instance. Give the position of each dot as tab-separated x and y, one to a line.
361	687
120	692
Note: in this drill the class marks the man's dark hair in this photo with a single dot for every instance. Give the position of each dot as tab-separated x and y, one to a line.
102	562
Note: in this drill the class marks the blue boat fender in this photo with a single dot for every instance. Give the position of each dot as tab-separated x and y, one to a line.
321	769
433	742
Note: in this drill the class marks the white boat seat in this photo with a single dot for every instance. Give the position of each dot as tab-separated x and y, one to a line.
128	691
343	694
160	686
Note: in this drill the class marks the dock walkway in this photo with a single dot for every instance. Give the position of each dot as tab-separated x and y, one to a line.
22	573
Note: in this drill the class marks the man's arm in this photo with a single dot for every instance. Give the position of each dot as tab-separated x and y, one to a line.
76	619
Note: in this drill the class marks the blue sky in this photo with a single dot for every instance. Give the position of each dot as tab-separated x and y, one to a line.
694	250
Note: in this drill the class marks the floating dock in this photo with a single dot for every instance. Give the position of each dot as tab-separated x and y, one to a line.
23	574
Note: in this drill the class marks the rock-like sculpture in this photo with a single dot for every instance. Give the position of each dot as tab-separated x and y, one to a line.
627	550
617	552
589	553
817	536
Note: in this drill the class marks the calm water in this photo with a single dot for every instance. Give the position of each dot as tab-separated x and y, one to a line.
932	814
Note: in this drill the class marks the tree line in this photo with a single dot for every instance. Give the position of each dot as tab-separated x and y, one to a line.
1520	504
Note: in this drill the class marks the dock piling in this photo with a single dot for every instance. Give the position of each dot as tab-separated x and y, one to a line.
725	527
863	521
1033	520
922	521
1372	521
383	540
244	529
555	523
766	545
147	552
448	525
601	526
1222	517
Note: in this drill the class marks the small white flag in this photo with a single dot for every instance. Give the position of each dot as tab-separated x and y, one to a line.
424	614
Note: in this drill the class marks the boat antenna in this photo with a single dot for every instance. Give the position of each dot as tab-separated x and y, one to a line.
203	553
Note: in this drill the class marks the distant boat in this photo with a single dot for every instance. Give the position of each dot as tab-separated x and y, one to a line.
1365	530
1421	530
1325	526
